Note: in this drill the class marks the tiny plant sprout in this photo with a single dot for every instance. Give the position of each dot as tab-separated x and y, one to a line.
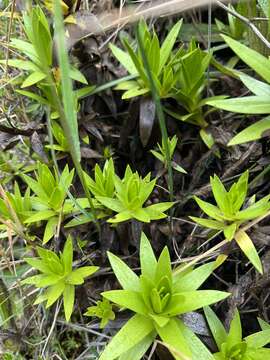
49	203
161	62
129	197
157	297
161	154
102	310
231	345
227	215
57	277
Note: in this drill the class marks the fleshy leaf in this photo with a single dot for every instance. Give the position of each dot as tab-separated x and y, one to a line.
131	334
126	277
248	248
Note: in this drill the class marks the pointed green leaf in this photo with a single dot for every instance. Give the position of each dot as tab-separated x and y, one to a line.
248	248
67	255
235	333
198	349
259	339
209	223
194	279
50	229
210	210
54	292
138	351
128	299
252	132
217	329
168	44
193	300
147	258
163	268
126	277
69	296
252	58
34	78
131	334
124	59
172	335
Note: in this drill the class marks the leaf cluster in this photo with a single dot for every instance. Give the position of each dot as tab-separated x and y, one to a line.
126	196
157	297
49	203
161	154
58	276
38	49
231	345
227	215
102	310
258	103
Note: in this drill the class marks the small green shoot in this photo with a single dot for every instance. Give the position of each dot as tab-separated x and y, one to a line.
102	310
227	215
231	345
161	154
131	193
161	63
49	203
57	276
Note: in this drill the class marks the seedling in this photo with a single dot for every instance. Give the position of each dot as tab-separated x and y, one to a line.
57	276
160	61
157	297
161	155
181	76
227	215
39	53
15	203
102	310
49	204
103	183
231	345
59	136
131	193
14	210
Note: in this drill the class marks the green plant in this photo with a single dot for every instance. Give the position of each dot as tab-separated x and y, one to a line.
161	62
235	28
263	324
57	276
189	89
39	51
254	104
231	345
157	297
49	203
130	194
227	215
11	165
59	135
102	310
161	155
14	209
103	183
181	76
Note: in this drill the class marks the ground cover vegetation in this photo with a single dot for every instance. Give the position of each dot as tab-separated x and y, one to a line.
134	180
